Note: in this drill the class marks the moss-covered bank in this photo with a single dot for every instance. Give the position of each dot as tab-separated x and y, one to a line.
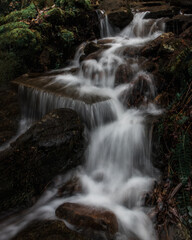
37	36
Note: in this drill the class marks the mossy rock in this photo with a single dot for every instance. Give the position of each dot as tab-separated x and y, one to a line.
10	67
20	38
67	37
10	26
55	16
73	5
24	14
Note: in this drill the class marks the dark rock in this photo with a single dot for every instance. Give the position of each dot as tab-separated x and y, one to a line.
178	24
91	48
160	11
181	3
88	218
120	18
48	230
123	74
141	91
151	49
187	34
50	147
96	55
9	115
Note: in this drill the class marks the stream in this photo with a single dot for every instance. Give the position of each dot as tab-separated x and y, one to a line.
118	169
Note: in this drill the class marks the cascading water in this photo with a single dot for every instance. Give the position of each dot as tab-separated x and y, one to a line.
118	170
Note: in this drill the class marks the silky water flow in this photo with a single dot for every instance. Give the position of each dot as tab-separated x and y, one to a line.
118	170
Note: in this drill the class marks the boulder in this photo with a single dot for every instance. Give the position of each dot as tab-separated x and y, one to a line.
120	18
48	230
90	219
50	147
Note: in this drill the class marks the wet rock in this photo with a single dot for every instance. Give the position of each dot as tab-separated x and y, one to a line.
140	91
120	18
92	47
48	230
131	51
50	147
105	41
123	74
71	187
151	49
90	219
96	55
178	24
9	115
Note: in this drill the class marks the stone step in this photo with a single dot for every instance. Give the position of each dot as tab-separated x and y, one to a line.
45	82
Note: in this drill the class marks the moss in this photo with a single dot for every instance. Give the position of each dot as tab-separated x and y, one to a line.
10	26
10	67
67	37
55	16
73	6
24	14
19	38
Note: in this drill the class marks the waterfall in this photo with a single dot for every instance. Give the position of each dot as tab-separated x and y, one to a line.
118	170
106	29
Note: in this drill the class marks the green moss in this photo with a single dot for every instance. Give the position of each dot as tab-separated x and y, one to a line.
55	16
19	38
73	6
24	14
10	67
10	26
67	37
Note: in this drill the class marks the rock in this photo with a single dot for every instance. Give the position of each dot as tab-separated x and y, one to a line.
95	55
9	115
92	47
120	18
119	12
141	91
123	74
48	230
112	5
160	11
178	24
71	187
105	41
89	219
50	147
151	49
187	34
182	3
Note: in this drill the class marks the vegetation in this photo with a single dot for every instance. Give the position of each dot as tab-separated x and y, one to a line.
30	30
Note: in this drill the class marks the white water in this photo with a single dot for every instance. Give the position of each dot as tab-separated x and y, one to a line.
118	171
